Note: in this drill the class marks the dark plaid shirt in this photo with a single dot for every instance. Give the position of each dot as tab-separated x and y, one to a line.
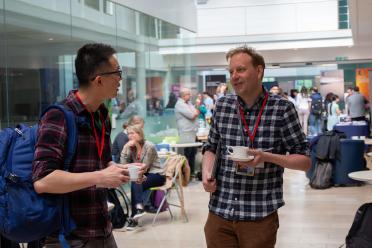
88	206
242	197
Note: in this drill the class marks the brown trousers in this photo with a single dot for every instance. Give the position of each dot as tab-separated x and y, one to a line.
109	242
223	233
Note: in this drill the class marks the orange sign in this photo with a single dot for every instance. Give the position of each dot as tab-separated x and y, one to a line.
362	81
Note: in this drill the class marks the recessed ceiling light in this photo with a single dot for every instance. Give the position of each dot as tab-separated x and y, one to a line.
50	39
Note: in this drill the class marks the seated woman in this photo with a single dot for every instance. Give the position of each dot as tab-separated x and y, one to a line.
139	150
122	138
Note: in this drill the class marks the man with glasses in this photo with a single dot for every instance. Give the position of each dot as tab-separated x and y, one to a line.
92	170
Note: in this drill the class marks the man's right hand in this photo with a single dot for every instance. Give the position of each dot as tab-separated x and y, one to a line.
113	176
210	185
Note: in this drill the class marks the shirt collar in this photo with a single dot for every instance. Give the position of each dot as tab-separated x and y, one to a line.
78	108
257	103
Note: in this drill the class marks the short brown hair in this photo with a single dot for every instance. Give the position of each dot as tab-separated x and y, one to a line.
257	58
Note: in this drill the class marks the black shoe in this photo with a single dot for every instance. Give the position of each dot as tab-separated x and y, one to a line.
151	209
139	214
132	224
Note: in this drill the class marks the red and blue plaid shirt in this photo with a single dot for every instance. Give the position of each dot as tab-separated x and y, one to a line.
88	206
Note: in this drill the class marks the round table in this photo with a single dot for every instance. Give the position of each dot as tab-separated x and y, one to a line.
364	176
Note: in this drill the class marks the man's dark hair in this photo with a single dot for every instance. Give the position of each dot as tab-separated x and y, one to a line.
90	58
257	59
356	89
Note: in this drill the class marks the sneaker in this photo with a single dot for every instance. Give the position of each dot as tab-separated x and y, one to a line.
151	209
132	224
139	214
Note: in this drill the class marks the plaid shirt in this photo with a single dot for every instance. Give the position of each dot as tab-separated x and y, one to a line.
241	197
88	206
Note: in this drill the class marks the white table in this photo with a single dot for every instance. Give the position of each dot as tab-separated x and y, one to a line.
185	145
364	176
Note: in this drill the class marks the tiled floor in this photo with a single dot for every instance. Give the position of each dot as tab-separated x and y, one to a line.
310	219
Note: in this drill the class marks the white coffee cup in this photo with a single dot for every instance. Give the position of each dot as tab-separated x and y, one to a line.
238	151
355	137
362	137
133	172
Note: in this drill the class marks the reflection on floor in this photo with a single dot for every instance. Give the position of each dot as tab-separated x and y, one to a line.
310	219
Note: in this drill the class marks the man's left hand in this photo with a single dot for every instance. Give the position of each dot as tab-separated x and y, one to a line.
259	157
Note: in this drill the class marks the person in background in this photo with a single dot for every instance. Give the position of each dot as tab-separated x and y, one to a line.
220	91
316	112
333	112
208	102
290	98
139	150
327	101
92	170
243	206
303	108
187	124
122	138
275	90
357	106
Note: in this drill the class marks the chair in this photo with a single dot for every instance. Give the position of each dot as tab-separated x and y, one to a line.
351	159
174	182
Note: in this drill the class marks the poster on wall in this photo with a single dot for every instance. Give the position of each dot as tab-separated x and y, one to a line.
332	81
362	81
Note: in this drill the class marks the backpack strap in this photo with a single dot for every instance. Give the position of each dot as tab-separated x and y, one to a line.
72	138
71	131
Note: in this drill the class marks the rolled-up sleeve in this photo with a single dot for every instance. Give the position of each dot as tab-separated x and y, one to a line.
293	137
50	144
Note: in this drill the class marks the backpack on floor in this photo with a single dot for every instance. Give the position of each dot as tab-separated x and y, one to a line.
24	214
360	233
322	175
118	215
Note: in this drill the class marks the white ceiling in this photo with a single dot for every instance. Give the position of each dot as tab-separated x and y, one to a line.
361	51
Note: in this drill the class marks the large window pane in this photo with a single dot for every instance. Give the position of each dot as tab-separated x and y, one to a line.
36	38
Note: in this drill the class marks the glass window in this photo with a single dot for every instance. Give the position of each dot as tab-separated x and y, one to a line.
92	3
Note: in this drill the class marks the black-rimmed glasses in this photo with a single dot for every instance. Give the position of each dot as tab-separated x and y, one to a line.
118	72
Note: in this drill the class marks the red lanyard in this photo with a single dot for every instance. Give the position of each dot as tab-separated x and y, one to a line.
139	155
253	135
99	145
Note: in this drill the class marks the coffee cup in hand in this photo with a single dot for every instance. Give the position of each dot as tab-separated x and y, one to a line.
240	152
133	172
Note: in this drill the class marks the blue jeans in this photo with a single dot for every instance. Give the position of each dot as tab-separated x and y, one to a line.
137	190
315	123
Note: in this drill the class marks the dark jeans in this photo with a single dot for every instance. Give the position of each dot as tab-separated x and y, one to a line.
190	153
137	190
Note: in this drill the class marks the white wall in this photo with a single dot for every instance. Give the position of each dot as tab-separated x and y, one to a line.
238	17
179	12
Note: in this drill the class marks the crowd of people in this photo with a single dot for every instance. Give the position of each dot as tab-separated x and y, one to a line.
241	205
318	114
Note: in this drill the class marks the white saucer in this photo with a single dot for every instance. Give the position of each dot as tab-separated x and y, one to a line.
239	159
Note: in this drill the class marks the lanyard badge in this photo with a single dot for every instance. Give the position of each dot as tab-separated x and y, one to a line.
249	171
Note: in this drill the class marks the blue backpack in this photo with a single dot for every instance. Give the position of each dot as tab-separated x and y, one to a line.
26	215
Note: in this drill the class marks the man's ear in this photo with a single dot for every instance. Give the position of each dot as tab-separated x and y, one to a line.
260	72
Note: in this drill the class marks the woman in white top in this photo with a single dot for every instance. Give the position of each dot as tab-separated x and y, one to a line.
303	102
333	113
